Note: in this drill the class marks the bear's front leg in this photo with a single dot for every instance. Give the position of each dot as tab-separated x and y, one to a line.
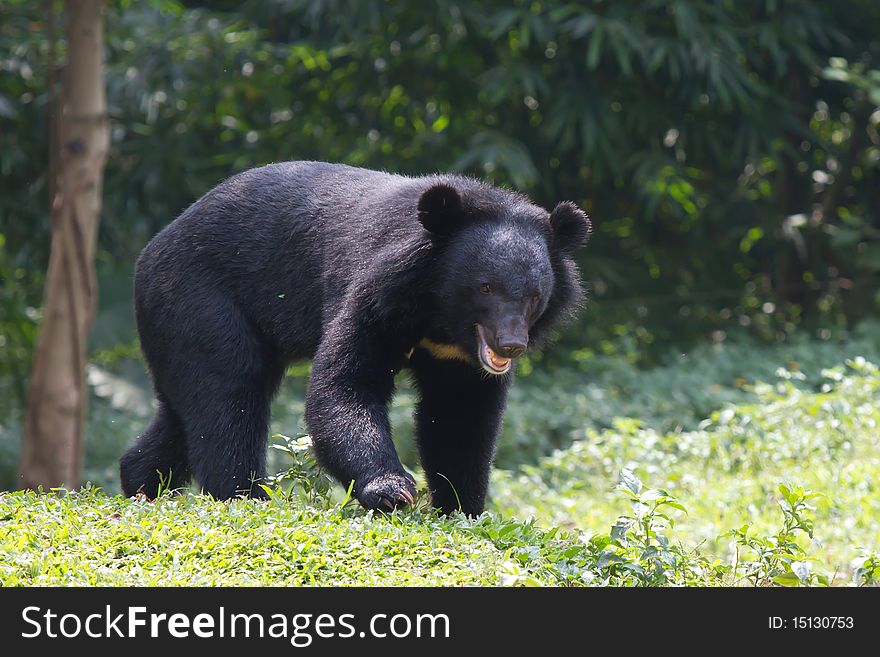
347	415
457	422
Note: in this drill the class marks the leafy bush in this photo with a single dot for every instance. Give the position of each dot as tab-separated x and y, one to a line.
638	549
757	112
866	569
779	559
727	473
303	472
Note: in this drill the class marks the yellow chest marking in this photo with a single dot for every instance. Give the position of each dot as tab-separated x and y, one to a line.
444	351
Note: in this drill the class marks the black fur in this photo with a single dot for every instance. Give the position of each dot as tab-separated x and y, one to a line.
366	273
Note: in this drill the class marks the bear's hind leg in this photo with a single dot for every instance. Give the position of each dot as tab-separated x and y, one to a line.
158	458
218	374
226	439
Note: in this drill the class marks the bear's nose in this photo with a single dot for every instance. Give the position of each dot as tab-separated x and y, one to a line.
510	348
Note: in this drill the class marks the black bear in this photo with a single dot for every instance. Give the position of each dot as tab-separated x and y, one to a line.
367	273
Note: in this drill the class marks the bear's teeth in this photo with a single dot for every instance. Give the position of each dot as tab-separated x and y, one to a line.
497	361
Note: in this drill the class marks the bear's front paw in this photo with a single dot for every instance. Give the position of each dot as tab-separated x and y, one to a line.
388	491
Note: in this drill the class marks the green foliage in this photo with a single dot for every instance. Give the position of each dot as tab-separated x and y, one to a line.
866	569
780	559
306	535
727	473
727	151
552	402
638	550
88	538
18	331
303	473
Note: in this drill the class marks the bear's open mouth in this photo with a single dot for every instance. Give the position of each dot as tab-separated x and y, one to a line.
491	362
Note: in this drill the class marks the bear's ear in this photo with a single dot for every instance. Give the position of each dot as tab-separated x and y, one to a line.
571	227
440	209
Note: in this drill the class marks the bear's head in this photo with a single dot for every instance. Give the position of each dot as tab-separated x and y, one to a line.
503	269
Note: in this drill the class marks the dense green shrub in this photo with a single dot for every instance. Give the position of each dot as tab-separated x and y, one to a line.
731	472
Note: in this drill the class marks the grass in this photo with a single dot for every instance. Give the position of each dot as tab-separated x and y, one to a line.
778	483
781	490
90	538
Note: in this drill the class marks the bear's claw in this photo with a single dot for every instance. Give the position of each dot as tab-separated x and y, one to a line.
388	491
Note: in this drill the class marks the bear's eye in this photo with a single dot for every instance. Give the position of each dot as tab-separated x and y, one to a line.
484	288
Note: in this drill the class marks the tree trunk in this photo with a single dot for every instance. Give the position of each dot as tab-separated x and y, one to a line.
53	442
